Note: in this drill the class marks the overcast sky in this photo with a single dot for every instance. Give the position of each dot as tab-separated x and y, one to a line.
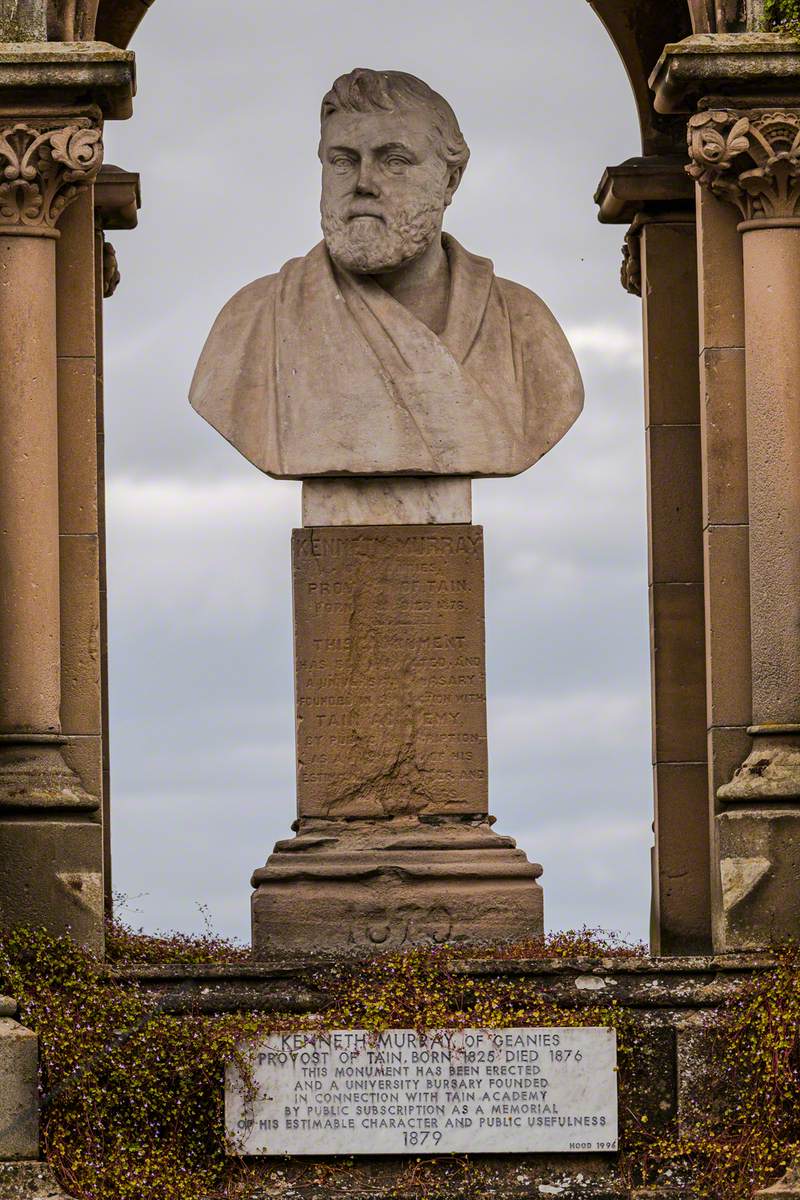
225	137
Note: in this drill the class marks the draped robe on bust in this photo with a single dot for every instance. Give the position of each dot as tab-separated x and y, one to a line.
316	371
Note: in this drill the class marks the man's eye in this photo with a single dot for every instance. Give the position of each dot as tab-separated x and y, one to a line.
396	163
342	164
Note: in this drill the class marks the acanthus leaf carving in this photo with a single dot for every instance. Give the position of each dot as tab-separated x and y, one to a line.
43	169
751	160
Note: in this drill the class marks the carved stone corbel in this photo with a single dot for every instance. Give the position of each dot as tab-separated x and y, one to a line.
750	159
631	271
111	274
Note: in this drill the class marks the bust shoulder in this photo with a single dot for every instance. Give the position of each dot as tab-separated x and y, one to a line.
252	297
528	312
546	357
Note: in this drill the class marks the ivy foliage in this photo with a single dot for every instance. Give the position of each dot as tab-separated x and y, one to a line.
133	1099
782	16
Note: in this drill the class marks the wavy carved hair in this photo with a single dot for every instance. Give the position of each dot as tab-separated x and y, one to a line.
363	90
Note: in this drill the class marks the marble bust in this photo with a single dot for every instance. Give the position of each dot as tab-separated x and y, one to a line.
389	349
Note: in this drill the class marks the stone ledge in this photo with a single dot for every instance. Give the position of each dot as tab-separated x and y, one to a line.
93	72
652	984
28	1181
8	1006
658	184
517	1178
725	65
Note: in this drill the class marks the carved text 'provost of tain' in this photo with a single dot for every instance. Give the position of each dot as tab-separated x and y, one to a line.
388	349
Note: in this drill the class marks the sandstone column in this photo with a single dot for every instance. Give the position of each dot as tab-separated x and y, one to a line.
117	199
394	842
745	150
655	196
50	832
752	158
45	162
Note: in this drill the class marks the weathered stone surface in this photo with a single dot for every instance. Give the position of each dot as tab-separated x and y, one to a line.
698	1092
72	20
213	989
394	841
635	185
395	501
8	1006
28	1181
658	986
443	1179
52	877
390	671
721	64
117	197
23	20
787	1189
663	997
19	1096
379	885
759	852
91	70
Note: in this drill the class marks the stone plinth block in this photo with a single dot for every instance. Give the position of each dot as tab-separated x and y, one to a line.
19	1097
760	874
380	885
52	877
402	500
390	670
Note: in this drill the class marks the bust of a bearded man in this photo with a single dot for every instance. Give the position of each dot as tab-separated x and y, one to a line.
389	349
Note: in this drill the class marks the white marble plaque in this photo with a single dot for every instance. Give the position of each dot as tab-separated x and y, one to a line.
467	1091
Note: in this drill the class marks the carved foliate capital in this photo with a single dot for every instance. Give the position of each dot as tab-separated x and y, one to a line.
750	159
43	168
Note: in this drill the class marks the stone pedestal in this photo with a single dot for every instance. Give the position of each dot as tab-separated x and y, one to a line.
394	842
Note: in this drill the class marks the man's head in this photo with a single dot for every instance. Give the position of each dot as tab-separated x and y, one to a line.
392	157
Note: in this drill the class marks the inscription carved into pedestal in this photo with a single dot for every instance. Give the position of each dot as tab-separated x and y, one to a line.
390	670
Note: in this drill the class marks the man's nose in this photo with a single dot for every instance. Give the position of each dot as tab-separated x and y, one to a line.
368	183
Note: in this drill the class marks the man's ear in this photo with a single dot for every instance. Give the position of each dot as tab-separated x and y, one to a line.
453	180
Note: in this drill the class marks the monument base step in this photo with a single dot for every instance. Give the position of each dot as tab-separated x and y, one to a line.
516	1182
28	1181
382	885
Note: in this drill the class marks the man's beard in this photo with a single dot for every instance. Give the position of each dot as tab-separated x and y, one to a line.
368	246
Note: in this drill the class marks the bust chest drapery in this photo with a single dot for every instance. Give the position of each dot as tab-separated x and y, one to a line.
315	371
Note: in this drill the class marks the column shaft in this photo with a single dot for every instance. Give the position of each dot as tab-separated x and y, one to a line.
682	876
772	304
30	654
725	509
